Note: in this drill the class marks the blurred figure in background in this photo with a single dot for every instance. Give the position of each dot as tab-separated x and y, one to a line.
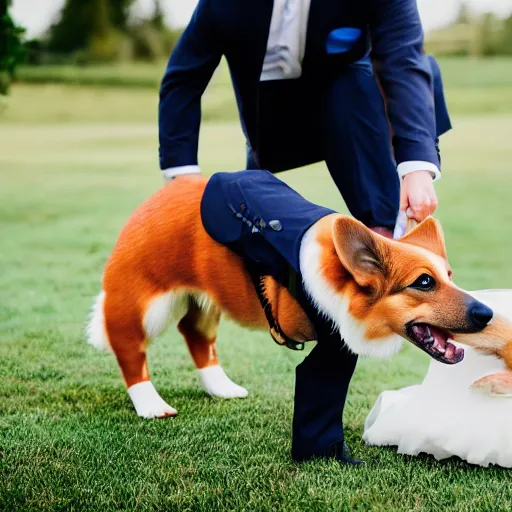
306	92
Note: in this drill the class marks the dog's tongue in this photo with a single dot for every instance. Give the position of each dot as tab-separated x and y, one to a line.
440	340
437	339
443	346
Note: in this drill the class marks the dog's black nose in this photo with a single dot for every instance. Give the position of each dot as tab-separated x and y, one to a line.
480	314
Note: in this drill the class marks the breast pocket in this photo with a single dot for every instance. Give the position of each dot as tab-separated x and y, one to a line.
343	40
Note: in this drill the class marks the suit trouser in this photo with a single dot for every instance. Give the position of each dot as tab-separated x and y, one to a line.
358	150
321	386
343	120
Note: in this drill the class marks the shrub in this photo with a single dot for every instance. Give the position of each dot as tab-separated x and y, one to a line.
12	51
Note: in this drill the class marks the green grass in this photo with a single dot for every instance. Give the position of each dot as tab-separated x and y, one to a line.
130	74
472	72
125	92
64	103
69	438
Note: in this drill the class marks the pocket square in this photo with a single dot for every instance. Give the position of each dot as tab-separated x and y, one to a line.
342	40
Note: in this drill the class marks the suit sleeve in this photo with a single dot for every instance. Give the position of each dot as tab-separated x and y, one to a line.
397	49
190	68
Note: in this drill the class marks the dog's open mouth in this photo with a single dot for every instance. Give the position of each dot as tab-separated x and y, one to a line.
435	342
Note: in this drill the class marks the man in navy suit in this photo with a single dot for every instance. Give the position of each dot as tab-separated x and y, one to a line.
306	92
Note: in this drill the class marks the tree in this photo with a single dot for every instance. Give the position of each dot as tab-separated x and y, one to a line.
84	23
12	51
151	38
73	28
464	14
101	30
158	16
120	13
487	39
103	38
505	40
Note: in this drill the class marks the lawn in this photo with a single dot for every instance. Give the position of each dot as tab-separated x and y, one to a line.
129	93
69	438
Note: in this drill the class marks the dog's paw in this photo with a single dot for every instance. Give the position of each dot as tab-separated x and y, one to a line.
217	383
497	384
162	410
148	403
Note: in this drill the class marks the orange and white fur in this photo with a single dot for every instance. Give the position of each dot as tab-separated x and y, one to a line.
165	269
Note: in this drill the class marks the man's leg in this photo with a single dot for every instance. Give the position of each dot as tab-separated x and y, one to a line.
359	157
321	387
358	146
251	161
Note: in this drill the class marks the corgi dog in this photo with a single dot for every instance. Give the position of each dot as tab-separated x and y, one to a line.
165	269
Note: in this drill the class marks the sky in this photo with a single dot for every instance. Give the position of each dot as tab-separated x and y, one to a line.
36	15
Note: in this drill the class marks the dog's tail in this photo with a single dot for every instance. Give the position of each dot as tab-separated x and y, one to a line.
96	332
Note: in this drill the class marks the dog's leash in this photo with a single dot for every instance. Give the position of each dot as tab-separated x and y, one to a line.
277	334
403	225
410	225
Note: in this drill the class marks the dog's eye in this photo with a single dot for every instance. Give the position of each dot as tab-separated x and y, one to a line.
424	283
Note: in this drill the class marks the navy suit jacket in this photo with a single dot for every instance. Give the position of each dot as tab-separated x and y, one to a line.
238	30
259	217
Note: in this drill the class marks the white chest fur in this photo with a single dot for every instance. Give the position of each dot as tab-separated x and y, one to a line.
336	307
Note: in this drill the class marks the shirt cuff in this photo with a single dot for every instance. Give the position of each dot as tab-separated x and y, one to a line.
418	165
171	173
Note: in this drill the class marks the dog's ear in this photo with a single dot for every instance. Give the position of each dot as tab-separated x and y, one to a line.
361	252
428	235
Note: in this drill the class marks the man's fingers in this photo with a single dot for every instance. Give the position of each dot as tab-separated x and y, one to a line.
420	211
417	196
418	215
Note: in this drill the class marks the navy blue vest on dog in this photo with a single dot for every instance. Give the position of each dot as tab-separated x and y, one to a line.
260	218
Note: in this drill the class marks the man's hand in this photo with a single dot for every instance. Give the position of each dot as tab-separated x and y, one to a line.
417	195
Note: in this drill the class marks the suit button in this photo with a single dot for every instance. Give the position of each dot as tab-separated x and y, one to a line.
275	225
